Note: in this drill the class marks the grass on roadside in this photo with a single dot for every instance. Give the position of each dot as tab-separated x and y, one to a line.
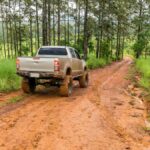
9	81
147	129
143	66
94	62
13	100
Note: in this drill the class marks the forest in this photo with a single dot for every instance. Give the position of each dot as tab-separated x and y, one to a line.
104	28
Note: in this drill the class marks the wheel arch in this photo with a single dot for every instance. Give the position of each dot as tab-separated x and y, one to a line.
85	68
68	71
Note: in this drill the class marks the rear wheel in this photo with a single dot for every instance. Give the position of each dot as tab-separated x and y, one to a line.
28	85
84	80
66	87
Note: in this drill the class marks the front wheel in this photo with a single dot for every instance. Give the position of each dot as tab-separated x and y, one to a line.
28	85
66	87
84	80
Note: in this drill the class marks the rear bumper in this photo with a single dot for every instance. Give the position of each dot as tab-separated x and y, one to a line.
42	75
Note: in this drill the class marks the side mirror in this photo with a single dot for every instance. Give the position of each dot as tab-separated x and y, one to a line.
82	57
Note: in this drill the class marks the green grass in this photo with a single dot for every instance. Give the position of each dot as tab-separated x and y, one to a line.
146	129
143	66
94	63
15	99
9	81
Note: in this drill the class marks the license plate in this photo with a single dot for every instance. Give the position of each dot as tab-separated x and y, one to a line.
34	75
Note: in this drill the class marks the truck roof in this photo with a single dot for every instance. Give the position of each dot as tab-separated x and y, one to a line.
54	47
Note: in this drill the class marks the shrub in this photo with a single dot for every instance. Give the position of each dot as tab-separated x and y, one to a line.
94	62
8	79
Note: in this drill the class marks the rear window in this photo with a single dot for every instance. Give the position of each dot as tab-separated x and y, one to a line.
52	51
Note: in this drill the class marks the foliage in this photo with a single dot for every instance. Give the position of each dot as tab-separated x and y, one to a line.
140	44
8	79
25	50
94	62
100	26
105	49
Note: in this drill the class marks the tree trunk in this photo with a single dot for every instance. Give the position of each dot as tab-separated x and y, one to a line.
49	22
118	40
79	23
20	41
101	53
44	22
3	33
65	31
75	18
138	52
98	33
16	39
54	23
10	31
7	36
123	41
37	25
68	26
31	36
85	38
58	22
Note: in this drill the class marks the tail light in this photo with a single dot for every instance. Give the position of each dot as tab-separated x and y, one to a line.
17	63
56	65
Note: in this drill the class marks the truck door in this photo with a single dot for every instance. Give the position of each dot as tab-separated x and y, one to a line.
80	63
74	62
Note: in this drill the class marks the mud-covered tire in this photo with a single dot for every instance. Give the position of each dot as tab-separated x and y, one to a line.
28	85
84	80
66	87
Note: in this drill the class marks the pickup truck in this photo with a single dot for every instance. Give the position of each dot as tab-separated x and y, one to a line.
53	66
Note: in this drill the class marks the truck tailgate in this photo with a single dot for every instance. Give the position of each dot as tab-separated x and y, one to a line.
37	64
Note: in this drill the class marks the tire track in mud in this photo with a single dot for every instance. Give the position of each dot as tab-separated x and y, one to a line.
134	137
30	122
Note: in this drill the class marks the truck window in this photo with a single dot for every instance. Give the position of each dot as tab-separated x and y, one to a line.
77	54
72	53
52	51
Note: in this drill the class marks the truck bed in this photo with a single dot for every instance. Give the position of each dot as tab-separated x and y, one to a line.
36	64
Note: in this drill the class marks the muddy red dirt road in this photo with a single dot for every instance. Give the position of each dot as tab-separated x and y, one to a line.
100	117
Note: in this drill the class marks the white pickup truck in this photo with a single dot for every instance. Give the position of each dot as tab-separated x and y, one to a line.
53	66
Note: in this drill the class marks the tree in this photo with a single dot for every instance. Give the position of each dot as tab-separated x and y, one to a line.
44	22
37	24
85	37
